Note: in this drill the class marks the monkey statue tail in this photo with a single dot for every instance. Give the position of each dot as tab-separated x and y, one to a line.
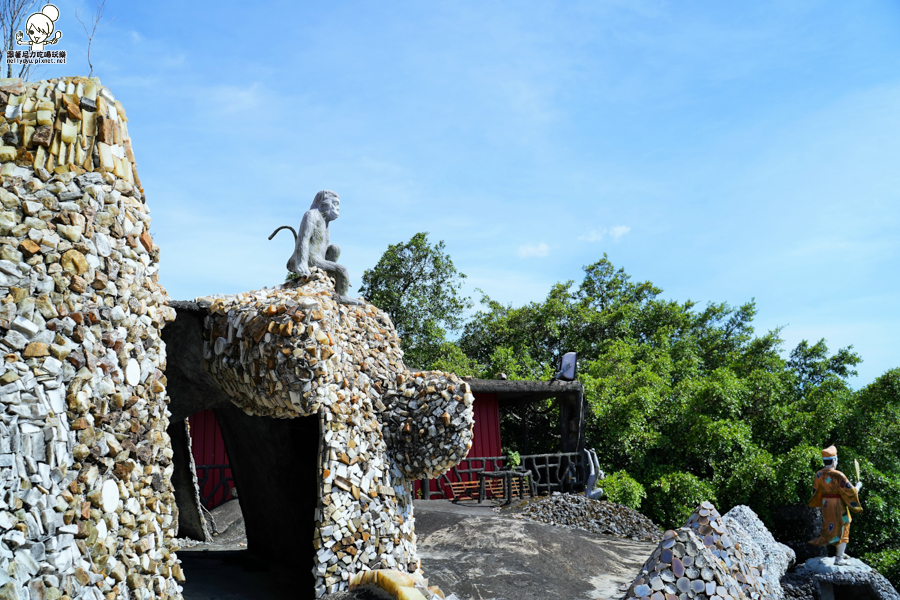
285	227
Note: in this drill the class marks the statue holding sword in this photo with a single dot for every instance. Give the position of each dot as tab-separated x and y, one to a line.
837	498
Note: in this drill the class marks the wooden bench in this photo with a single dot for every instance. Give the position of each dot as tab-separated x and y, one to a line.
464	490
494	488
498	483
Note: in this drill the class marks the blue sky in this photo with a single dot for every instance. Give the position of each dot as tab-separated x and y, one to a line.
722	151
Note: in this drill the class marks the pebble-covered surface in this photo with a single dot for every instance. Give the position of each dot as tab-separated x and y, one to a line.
804	583
86	505
759	547
596	516
294	350
700	560
684	567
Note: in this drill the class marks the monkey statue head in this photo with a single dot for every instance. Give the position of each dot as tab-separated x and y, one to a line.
328	203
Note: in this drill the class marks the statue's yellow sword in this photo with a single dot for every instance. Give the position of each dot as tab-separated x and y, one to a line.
847	508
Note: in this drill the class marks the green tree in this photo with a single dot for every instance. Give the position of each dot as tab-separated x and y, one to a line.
872	435
684	398
686	402
417	284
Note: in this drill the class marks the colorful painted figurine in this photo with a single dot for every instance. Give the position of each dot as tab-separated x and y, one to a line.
837	498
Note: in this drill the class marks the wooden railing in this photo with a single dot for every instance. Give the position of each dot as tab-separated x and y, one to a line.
563	472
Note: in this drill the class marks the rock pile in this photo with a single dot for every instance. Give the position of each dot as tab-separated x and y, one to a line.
759	547
700	559
821	578
596	516
294	350
86	504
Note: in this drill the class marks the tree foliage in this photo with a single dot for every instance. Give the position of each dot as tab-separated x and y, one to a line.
417	284
623	489
688	400
689	403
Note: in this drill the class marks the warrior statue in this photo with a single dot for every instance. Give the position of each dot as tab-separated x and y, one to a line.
313	247
837	498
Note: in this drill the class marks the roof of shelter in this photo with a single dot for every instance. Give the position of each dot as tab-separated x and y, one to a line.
524	391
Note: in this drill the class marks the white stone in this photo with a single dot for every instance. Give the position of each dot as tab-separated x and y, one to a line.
102	243
117	314
102	530
133	372
7	520
57	400
109	496
26	563
52	365
133	506
9	267
16	340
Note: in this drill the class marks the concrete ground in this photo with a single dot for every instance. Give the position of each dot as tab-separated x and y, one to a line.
467	549
481	555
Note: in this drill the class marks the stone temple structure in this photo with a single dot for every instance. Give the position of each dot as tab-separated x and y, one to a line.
86	503
304	384
95	469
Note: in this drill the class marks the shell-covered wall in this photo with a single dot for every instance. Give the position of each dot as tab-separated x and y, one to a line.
292	351
86	503
701	559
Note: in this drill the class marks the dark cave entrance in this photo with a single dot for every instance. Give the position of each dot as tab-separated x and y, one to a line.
275	463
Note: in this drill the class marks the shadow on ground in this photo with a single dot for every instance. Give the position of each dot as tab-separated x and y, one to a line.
235	575
471	551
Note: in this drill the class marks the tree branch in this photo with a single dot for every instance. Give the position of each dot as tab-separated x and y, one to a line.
95	27
12	13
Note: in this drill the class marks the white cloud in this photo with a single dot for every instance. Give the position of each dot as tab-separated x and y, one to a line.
233	99
595	235
530	250
618	231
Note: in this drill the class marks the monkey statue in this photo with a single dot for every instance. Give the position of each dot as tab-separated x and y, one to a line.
313	247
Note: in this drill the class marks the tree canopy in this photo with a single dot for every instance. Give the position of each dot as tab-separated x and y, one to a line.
686	402
418	286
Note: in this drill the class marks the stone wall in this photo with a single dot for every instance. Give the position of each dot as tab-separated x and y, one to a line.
86	503
293	351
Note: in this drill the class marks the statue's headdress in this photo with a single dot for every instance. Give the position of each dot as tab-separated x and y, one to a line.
829	452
